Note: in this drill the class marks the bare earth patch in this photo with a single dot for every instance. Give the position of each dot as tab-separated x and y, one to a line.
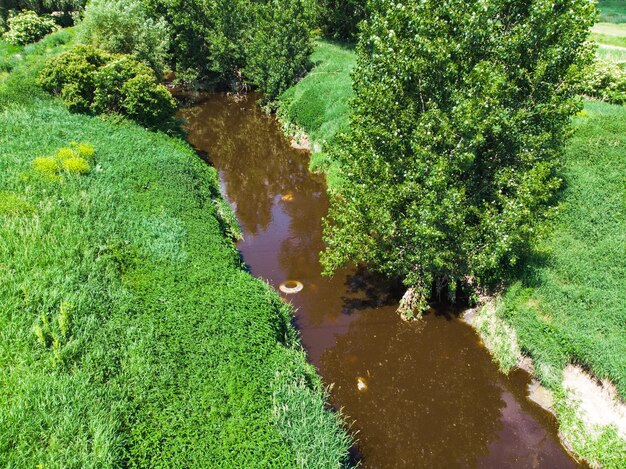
597	401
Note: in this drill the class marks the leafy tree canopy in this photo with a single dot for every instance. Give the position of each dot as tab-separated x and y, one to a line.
461	113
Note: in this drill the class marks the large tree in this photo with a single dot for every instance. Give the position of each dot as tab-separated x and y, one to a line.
461	114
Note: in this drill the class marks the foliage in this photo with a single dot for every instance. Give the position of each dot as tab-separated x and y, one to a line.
569	302
72	76
339	19
229	41
91	80
109	81
124	27
146	102
143	341
7	7
27	27
455	136
275	60
605	81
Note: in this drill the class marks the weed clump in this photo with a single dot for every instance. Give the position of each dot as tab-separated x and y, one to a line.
71	159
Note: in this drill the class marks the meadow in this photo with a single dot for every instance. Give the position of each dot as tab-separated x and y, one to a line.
131	334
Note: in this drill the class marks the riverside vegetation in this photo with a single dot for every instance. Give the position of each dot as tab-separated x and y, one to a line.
565	300
131	334
143	335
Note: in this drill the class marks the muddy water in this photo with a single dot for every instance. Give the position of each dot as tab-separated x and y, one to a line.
430	395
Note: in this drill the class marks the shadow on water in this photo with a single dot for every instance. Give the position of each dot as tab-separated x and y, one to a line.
424	394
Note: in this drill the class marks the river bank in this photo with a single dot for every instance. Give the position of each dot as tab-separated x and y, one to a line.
571	272
132	334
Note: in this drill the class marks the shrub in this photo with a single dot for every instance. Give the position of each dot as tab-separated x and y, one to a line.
28	27
124	27
71	75
90	80
147	102
76	164
46	165
339	19
605	81
109	81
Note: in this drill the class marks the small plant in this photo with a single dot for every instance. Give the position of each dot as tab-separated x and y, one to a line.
71	159
66	153
28	27
605	81
46	165
76	164
13	204
86	150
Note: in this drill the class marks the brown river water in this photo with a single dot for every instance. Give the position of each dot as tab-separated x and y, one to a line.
429	393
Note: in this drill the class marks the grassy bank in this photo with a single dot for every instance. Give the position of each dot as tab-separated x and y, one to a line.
570	304
319	103
131	335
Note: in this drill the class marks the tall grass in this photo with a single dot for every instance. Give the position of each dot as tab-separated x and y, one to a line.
130	333
320	103
570	303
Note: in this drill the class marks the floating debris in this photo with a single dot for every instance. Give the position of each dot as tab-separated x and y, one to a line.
291	286
361	384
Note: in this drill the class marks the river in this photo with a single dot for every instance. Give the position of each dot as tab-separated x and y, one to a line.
424	394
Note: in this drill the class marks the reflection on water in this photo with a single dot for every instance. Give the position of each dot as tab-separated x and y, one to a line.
420	395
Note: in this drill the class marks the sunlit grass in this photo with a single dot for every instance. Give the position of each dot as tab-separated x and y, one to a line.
130	334
570	304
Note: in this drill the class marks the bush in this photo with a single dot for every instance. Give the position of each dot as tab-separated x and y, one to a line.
124	27
94	81
109	81
605	81
339	19
147	102
71	75
28	27
275	60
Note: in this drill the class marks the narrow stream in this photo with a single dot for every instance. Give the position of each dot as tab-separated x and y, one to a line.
430	394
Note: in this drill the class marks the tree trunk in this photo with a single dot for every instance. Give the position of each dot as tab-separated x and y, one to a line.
412	305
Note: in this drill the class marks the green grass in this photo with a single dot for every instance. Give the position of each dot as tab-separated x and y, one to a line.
612	11
570	304
130	333
319	103
612	55
610	33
